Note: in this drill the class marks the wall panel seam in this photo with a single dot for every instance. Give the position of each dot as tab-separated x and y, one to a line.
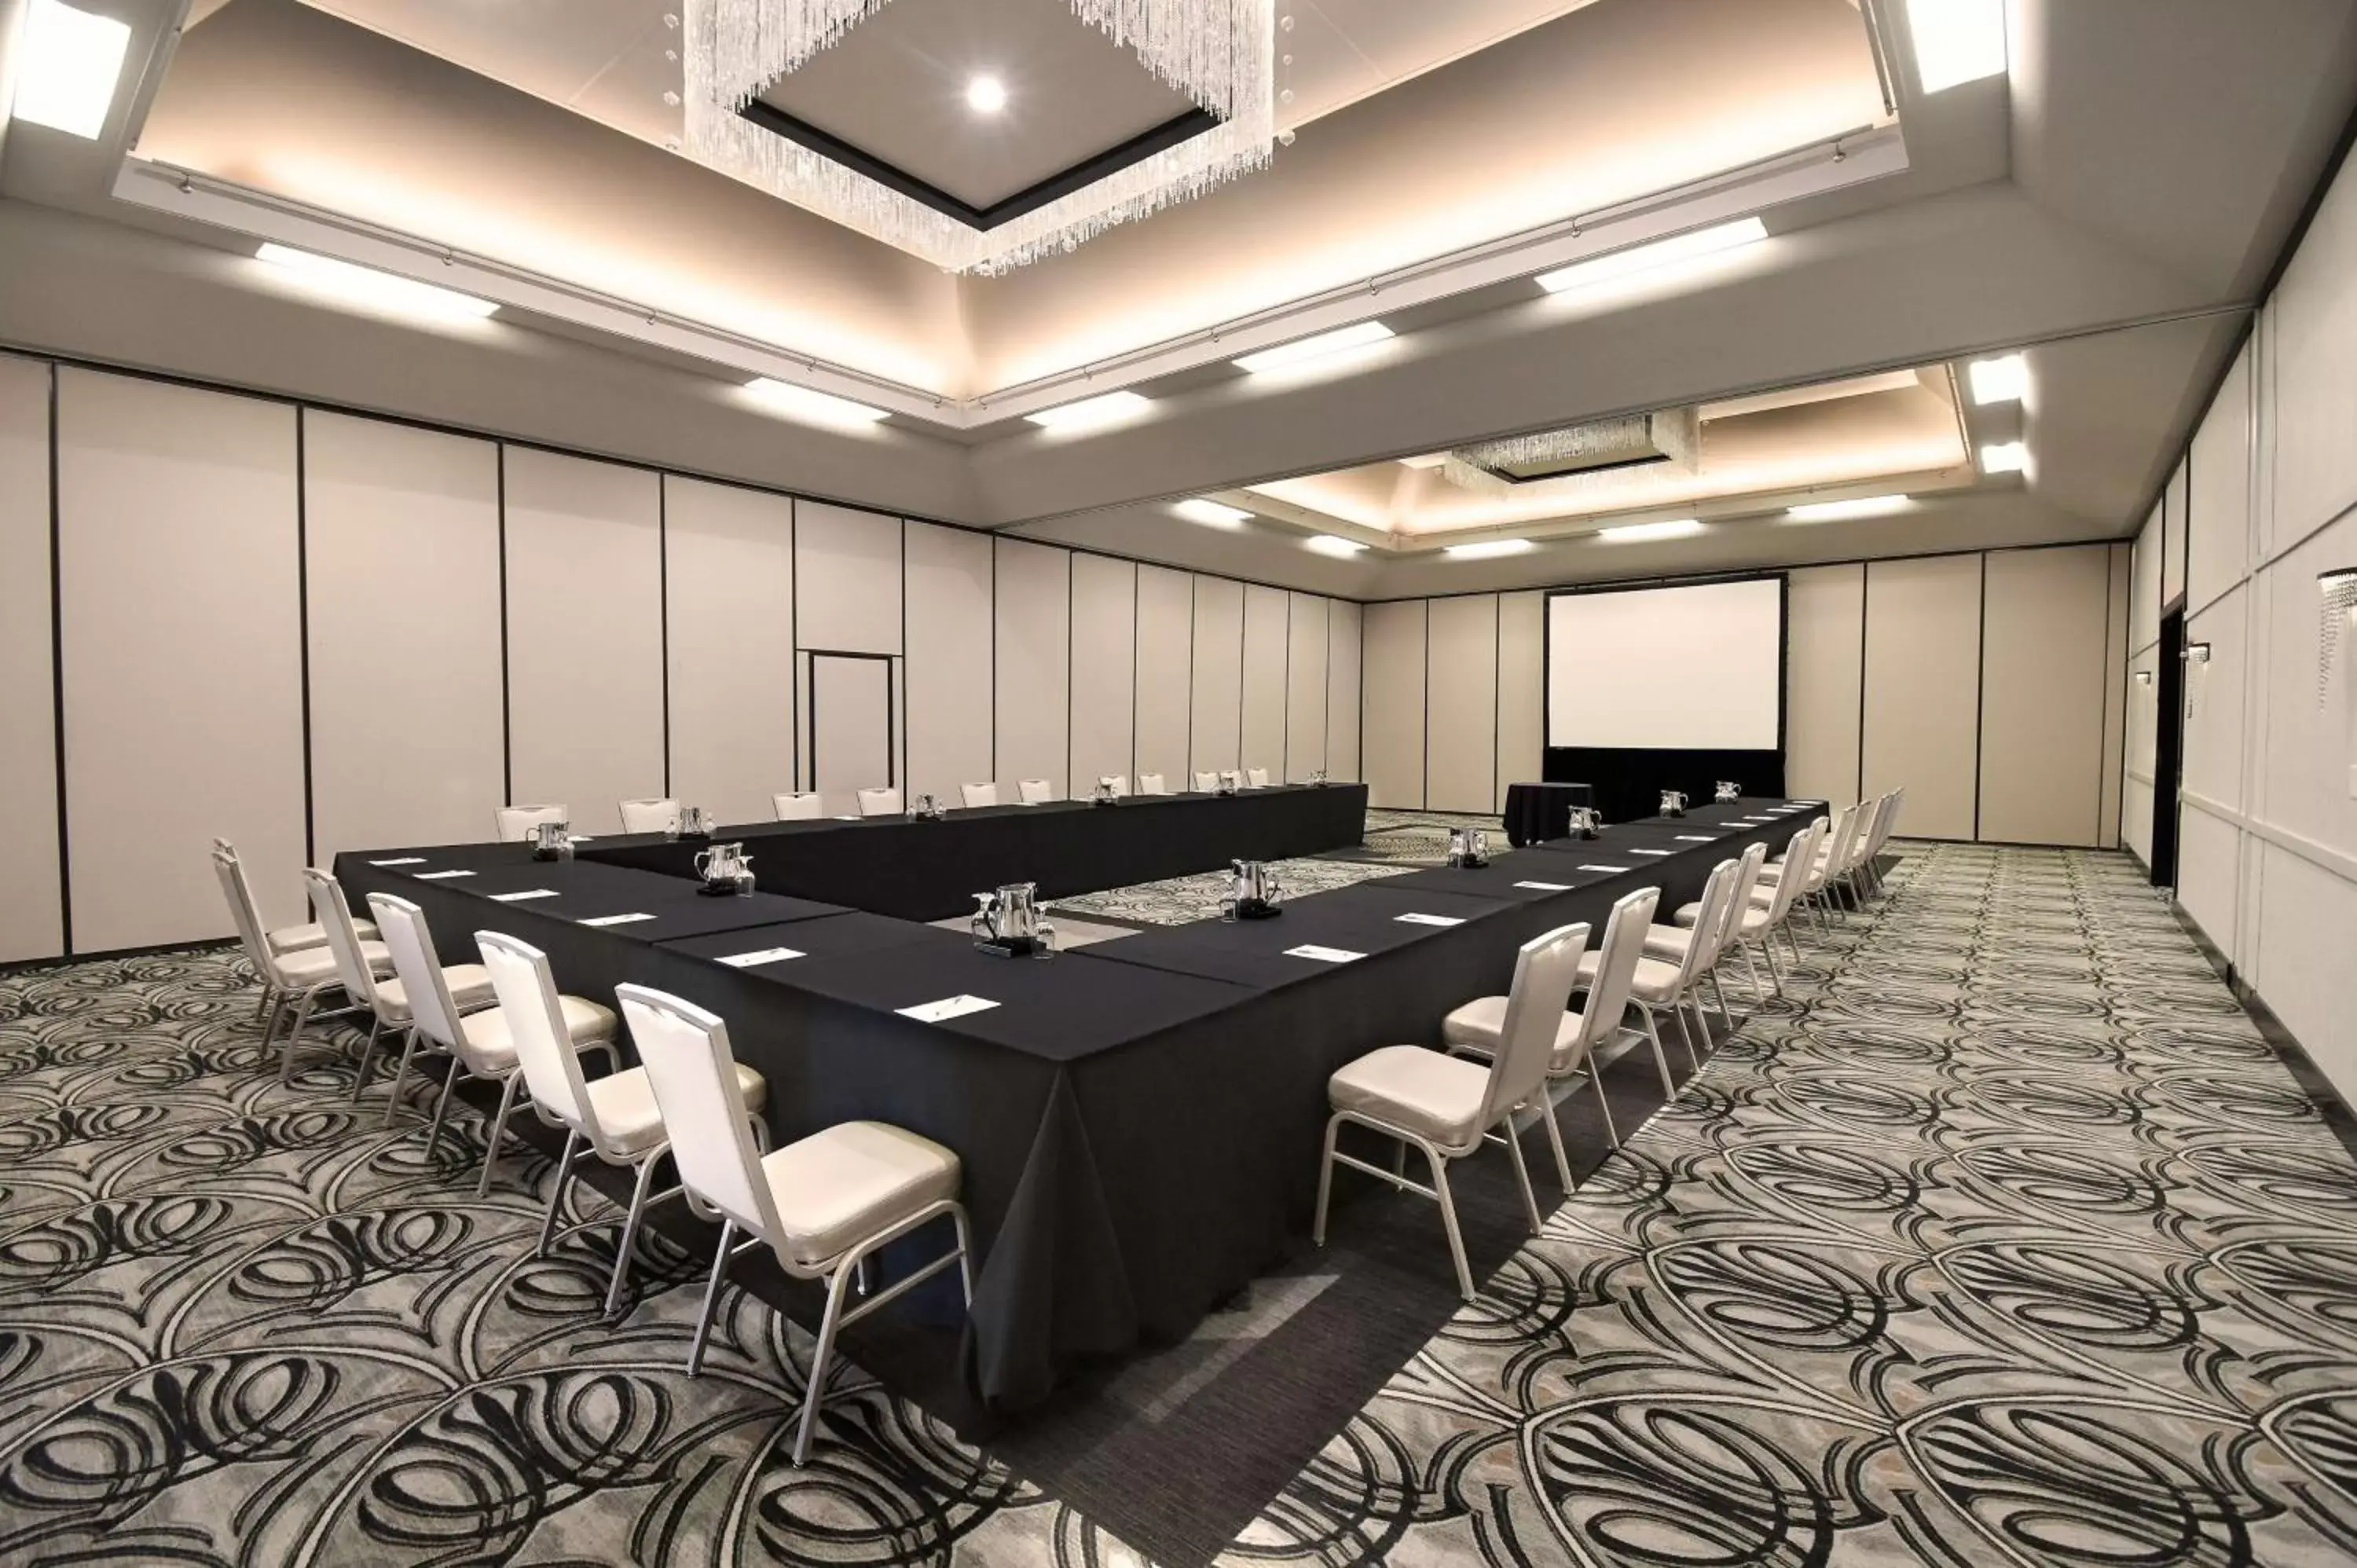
57	672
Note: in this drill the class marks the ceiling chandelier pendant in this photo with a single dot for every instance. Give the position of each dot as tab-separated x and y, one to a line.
1600	450
1219	53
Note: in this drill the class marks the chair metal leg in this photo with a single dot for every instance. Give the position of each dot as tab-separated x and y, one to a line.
1768	951
965	1254
441	1104
711	1295
819	1357
1523	1170
393	1095
266	1003
1661	1056
302	1017
368	1058
630	1230
508	1087
1751	975
1325	1180
1685	1031
556	1193
1596	1077
1555	1136
1448	1218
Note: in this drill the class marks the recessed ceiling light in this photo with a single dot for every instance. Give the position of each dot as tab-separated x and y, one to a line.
1630	532
1834	511
2006	457
73	60
1358	337
1211	514
2005	380
1487	548
1333	544
812	407
1661	253
1090	412
1956	40
378	290
986	95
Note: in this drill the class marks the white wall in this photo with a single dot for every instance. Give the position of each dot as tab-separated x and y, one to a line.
476	621
2268	863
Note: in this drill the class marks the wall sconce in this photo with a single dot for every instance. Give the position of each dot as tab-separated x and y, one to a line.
2338	589
2143	677
2197	653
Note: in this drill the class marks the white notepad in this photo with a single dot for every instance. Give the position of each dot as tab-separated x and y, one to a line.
441	875
1694	838
1654	852
766	955
1324	955
1428	920
948	1007
1613	868
519	898
1547	887
615	919
404	860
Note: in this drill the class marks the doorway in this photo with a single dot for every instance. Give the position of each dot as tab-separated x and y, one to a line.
2169	745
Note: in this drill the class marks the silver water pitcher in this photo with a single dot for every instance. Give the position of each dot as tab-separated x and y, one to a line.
1231	781
1009	923
927	809
726	870
1103	795
1584	822
1673	803
1255	893
1317	777
1469	848
1729	792
691	823
552	840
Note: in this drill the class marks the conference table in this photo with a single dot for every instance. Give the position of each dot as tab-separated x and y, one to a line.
1537	812
1138	1121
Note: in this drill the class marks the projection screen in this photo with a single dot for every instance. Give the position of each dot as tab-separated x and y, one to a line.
1697	668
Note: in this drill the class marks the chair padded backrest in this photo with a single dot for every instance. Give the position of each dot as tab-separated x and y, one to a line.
650	816
1544	972
979	794
1829	864
1120	782
879	802
1710	918
1738	902
241	910
1152	784
402	926
1206	783
1616	966
1801	853
334	913
1257	778
800	808
694	1073
526	990
1891	817
516	823
1035	791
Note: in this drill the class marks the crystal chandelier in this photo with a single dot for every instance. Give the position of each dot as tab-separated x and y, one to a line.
1221	53
1603	449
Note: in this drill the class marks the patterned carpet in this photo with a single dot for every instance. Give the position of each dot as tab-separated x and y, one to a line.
2013	1243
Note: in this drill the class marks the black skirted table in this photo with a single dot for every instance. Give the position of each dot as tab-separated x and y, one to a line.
1537	812
1138	1122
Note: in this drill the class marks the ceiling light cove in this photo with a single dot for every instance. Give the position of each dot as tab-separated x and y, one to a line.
1487	549
1091	413
2003	379
72	62
376	290
1835	511
809	407
1659	253
1211	514
1957	41
986	95
1364	335
1637	532
2006	457
1333	544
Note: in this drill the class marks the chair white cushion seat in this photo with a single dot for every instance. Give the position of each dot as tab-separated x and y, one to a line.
1669	942
851	1181
1479	1025
1655	980
492	1045
469	985
1774	870
296	938
1417	1090
624	1105
312	965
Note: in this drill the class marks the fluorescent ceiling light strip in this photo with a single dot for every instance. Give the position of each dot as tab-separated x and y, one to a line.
2006	457
2005	380
1211	514
1833	511
1487	549
1957	41
1333	544
1661	253
1092	411
1325	343
366	285
72	62
812	406
1630	532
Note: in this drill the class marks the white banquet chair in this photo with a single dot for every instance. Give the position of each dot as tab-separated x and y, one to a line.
469	984
798	806
978	794
823	1204
1120	782
1206	783
515	822
299	976
879	803
1760	917
1660	982
1035	791
1442	1105
1152	784
1672	941
650	816
293	939
1256	778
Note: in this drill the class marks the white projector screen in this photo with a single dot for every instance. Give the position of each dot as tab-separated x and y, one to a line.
1696	669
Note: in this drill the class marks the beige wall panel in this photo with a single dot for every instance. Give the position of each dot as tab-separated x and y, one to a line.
2115	696
1922	681
1309	637
2306	914
1824	680
846	579
2310	745
2143	586
2311	339
2209	859
408	731
1265	649
1395	707
2136	819
2218	548
1343	706
1215	738
181	653
1165	653
2173	513
1462	683
729	576
1105	675
1521	695
2042	687
31	918
2215	733
1034	641
585	635
952	659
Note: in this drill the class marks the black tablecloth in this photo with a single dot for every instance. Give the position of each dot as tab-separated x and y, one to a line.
1138	1122
929	871
1535	812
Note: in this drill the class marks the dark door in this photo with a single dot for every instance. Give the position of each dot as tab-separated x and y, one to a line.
2168	747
